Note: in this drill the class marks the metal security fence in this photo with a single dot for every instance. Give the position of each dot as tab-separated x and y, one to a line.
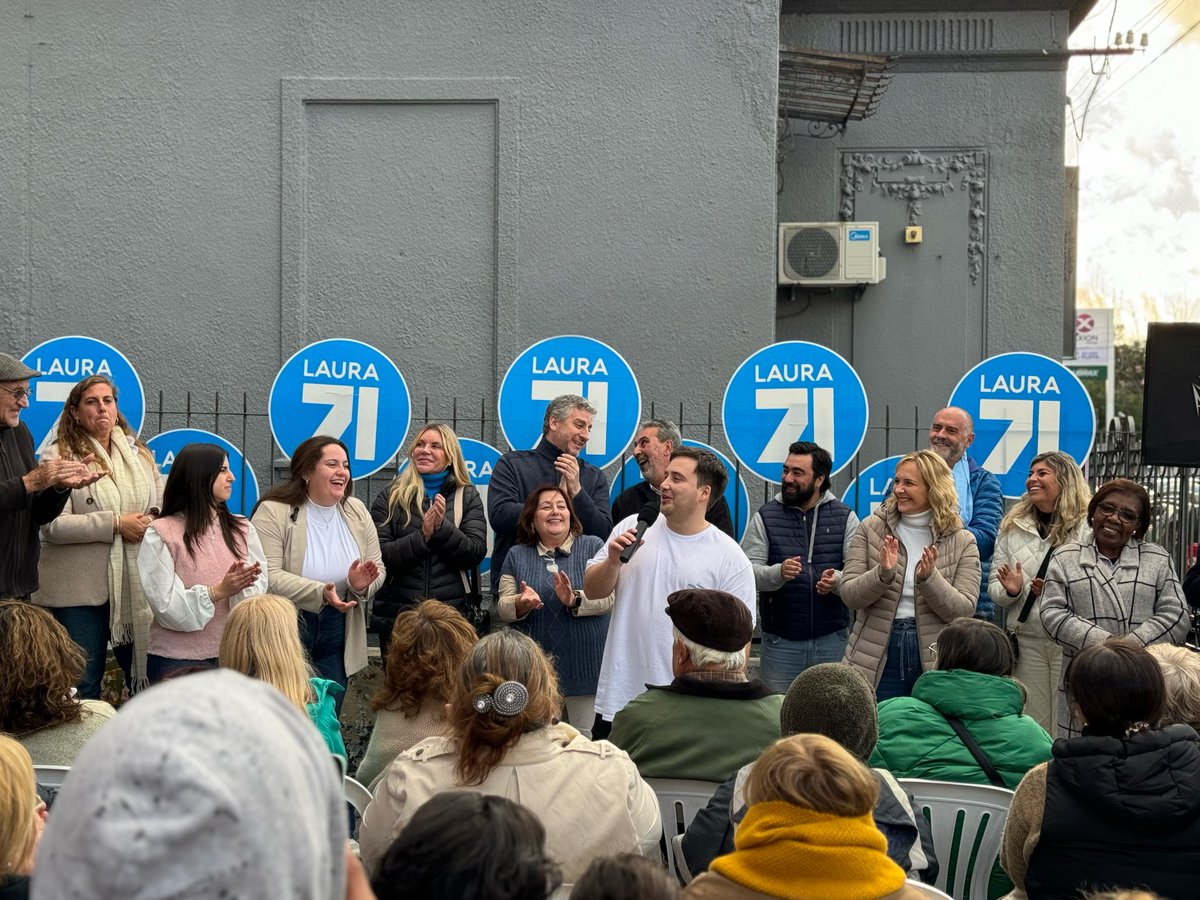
242	420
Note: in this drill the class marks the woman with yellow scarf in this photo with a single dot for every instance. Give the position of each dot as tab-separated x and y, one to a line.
808	832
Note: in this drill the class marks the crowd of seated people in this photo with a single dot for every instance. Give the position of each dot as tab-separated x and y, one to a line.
222	775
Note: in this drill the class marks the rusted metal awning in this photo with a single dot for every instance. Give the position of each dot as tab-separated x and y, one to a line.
828	87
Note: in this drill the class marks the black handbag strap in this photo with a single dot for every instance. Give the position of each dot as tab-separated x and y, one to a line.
992	773
1029	598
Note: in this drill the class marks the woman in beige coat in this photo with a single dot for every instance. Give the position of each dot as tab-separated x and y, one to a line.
322	553
912	568
1052	513
88	572
505	739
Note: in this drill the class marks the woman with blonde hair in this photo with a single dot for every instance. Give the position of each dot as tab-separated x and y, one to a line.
912	568
808	831
1053	512
261	641
39	668
87	574
22	816
428	645
432	529
1181	675
505	739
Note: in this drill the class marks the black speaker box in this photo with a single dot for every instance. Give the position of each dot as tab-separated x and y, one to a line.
1171	402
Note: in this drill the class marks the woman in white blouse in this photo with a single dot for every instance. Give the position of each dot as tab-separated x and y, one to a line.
196	561
323	554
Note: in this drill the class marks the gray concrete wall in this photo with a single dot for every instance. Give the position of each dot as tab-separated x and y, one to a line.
988	105
210	186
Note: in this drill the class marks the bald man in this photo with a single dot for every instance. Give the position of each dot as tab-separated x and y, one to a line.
980	500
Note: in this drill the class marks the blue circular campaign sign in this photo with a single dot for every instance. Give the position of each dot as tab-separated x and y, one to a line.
481	458
571	364
1024	404
794	391
64	362
166	447
345	389
736	494
872	486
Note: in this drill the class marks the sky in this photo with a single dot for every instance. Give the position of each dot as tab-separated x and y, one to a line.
1134	130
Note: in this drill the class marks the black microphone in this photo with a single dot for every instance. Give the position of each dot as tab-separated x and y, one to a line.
647	517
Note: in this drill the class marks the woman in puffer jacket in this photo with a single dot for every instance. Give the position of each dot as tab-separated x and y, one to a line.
912	568
432	529
1053	512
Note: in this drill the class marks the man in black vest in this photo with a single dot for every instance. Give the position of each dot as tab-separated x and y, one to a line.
797	544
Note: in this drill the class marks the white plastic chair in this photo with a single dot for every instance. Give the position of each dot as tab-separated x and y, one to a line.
679	800
965	860
50	776
357	795
927	889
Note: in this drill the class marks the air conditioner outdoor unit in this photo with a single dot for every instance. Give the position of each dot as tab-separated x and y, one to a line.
830	253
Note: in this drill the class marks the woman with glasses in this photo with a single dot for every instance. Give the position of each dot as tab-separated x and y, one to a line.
432	530
538	594
1112	584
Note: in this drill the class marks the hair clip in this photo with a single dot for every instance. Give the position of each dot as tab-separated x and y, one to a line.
508	699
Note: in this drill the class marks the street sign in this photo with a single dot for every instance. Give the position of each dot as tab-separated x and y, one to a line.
64	362
794	391
571	364
345	389
166	447
1024	404
873	485
736	494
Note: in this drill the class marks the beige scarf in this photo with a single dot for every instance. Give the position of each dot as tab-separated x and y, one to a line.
125	491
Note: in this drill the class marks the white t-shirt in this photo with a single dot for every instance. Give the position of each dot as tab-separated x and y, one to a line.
330	548
638	651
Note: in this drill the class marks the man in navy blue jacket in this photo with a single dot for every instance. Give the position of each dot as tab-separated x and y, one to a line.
980	500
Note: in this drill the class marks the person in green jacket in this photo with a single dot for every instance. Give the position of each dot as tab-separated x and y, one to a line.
972	683
261	640
711	719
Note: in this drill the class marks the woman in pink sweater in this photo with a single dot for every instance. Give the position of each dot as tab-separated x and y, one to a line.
196	561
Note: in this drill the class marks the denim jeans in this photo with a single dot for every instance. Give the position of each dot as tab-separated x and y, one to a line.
88	627
903	666
159	668
323	635
782	660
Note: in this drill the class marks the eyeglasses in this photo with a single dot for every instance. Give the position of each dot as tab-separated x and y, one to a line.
933	649
1128	516
18	394
551	563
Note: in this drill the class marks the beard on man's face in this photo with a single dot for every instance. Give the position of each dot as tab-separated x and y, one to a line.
795	495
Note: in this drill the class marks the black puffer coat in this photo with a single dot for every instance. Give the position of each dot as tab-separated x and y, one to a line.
1120	813
418	569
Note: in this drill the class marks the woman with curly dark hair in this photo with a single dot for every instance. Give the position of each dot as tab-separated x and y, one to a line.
39	667
505	740
428	644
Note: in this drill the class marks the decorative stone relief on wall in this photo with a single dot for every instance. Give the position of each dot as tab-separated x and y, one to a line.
914	177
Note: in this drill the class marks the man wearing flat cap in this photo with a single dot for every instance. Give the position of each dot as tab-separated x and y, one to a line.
30	494
711	719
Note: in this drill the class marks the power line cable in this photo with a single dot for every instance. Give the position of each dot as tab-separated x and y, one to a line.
1134	76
